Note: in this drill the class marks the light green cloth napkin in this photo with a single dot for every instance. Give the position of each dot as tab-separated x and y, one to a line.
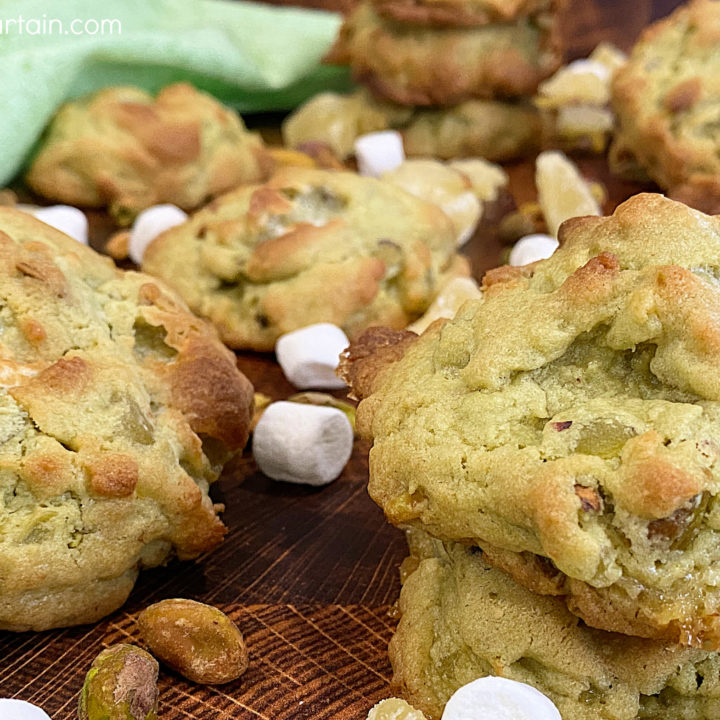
251	56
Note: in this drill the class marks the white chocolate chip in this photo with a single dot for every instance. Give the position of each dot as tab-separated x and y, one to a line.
394	709
65	218
303	444
149	224
495	698
448	302
379	152
464	210
608	56
486	178
532	248
589	67
443	186
309	356
20	710
562	191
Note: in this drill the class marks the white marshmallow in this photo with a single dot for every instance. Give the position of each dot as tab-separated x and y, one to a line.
309	356
149	224
303	444
65	218
531	248
379	152
20	710
495	698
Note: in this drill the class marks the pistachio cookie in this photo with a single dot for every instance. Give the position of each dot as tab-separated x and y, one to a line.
461	619
308	246
491	129
460	12
568	423
419	65
119	409
667	101
123	149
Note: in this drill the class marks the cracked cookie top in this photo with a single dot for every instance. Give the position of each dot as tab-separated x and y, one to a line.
667	101
424	65
308	246
572	415
122	149
118	408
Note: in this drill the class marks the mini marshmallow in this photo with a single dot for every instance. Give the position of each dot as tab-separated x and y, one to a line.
303	444
379	152
65	218
495	698
309	356
149	224
20	710
531	248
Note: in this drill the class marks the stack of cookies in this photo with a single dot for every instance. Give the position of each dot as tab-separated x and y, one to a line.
469	58
554	452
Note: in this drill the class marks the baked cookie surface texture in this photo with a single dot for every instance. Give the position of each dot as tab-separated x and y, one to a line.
119	409
308	246
491	129
460	12
568	423
123	149
667	101
462	619
428	65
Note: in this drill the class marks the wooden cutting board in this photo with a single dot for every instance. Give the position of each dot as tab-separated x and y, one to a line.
309	575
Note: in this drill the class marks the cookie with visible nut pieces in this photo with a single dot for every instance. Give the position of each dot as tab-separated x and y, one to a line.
440	66
119	408
197	640
568	423
667	101
309	246
123	149
462	619
491	129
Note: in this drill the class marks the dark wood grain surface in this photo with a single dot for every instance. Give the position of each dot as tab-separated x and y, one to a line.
309	575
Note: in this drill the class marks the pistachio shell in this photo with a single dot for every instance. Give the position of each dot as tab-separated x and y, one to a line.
197	640
120	685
